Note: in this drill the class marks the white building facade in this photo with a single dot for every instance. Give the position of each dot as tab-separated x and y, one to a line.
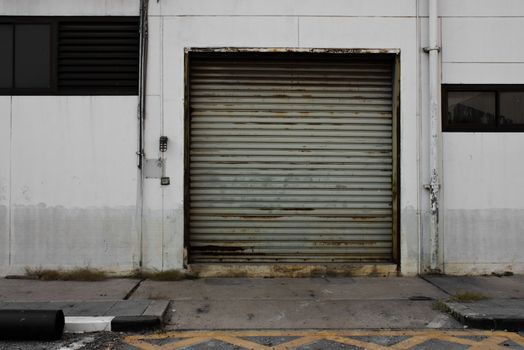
71	194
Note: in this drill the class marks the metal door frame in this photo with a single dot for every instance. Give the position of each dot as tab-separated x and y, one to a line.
335	51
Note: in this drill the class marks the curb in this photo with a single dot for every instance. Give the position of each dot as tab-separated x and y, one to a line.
81	324
483	321
103	316
500	324
88	324
135	323
153	317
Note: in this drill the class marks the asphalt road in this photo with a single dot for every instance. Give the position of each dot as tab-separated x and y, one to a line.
93	341
280	339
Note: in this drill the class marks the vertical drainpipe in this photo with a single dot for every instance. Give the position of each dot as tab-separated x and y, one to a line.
142	78
434	84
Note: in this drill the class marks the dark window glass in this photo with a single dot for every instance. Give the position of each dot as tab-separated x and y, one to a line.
511	108
483	108
472	107
32	56
6	56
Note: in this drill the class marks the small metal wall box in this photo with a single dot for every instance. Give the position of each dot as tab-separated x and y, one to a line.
164	181
153	168
163	143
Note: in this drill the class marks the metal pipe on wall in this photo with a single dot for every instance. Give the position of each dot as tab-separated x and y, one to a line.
434	84
142	79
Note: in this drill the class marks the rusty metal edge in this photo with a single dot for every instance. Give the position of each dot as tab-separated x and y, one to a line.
294	270
396	161
293	49
187	142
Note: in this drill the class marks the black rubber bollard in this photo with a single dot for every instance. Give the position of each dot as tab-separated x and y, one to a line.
31	324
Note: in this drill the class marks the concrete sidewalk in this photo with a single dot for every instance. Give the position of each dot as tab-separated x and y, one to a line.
302	303
280	303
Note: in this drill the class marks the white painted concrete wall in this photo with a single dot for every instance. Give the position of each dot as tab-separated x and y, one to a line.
68	180
71	182
483	206
5	179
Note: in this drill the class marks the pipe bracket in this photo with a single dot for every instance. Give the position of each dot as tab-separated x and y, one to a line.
431	48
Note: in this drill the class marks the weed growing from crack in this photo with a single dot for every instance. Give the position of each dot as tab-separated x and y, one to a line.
79	274
467	297
167	275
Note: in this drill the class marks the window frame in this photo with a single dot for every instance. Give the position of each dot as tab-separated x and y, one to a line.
497	89
53	89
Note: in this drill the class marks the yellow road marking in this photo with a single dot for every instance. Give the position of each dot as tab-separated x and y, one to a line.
491	343
185	343
140	344
184	340
516	338
411	342
358	343
451	339
246	344
293	344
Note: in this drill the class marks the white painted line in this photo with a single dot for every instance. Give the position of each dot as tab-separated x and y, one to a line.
88	324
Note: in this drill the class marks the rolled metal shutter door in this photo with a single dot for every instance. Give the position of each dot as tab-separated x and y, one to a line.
290	159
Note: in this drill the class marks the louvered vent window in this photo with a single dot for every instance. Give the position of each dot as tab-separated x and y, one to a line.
98	55
69	55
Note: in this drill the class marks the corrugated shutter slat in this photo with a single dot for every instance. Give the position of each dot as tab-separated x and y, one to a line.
290	160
